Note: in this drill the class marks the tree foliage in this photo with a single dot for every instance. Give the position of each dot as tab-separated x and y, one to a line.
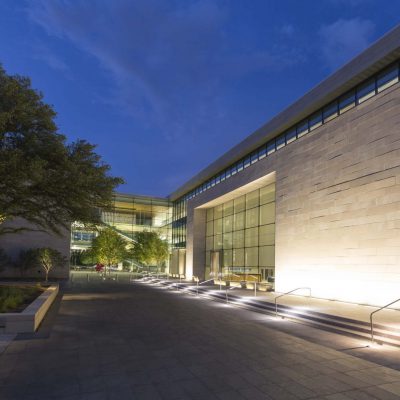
43	179
49	258
109	248
150	248
44	257
87	257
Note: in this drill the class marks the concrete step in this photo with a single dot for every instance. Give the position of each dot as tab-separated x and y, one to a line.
383	334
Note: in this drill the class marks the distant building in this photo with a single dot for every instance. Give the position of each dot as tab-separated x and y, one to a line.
129	214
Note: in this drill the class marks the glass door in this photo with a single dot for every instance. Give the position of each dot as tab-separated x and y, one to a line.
215	263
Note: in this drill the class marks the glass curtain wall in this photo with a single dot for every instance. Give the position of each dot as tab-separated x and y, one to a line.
241	235
179	214
131	214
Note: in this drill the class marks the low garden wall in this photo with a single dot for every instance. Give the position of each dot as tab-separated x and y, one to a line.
29	319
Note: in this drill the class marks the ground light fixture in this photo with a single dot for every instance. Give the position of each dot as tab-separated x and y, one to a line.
241	301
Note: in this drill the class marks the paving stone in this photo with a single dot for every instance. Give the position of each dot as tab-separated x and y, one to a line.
119	341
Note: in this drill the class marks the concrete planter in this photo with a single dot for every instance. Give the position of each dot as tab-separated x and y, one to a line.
29	319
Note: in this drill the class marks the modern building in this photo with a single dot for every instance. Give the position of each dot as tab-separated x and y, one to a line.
312	198
129	214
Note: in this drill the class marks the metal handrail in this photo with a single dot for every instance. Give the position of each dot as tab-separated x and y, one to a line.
209	280
226	292
373	312
284	294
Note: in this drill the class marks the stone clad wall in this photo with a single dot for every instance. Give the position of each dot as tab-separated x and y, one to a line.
337	206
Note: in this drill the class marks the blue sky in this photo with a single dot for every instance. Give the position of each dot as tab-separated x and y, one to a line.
165	87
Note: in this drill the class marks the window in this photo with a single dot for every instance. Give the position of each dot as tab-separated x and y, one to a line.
347	101
227	258
267	214
388	77
246	162
262	152
217	242
209	242
251	257
252	217
267	235
271	147
228	223
239	165
291	136
209	228
251	237
280	142
330	111
366	91
238	257
252	199
315	120
218	210
267	194
240	204
267	256
254	157
227	242
239	221
233	229
228	208
302	128
238	239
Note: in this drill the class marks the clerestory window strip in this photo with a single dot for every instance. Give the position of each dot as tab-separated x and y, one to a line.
359	94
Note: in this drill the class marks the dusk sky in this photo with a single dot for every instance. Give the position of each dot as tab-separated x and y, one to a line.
165	87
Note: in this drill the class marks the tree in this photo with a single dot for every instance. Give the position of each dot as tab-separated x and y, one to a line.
45	257
43	179
49	258
87	257
149	248
109	248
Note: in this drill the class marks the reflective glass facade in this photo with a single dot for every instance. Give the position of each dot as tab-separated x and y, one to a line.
130	214
240	236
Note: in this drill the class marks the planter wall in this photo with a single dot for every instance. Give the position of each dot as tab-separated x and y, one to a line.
29	320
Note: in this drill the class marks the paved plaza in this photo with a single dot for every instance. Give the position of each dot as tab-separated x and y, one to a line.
115	340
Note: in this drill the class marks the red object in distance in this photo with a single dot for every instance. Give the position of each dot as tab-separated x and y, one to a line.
99	267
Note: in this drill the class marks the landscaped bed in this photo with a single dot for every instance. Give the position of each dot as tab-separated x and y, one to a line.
17	298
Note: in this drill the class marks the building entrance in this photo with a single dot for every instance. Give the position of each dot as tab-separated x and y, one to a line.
216	262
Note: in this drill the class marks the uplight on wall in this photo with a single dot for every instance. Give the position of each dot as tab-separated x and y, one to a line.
338	283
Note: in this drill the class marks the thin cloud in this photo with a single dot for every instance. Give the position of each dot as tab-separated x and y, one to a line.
168	61
42	53
344	39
